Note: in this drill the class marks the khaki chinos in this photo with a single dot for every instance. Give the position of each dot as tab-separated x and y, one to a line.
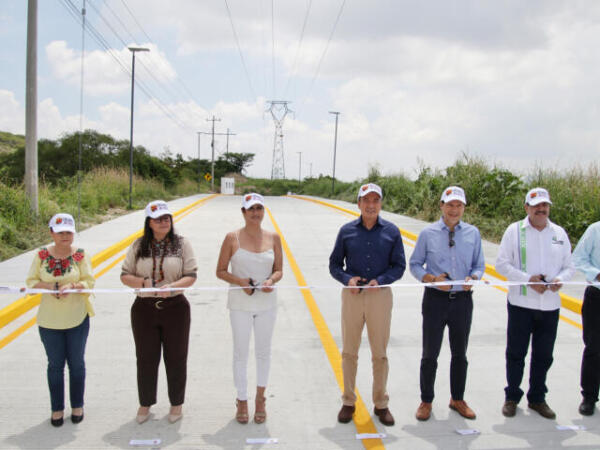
373	307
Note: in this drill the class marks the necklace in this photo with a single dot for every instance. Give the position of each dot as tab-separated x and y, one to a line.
161	249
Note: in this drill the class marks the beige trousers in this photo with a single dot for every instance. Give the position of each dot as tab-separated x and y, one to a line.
373	307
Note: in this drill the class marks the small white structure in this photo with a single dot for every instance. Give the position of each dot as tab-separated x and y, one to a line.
228	186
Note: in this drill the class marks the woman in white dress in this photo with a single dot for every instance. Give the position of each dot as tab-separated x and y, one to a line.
256	265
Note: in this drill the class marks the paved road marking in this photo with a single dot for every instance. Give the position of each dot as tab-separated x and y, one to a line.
362	418
24	304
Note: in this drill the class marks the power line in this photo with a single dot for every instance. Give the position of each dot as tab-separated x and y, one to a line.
337	19
237	42
99	38
294	66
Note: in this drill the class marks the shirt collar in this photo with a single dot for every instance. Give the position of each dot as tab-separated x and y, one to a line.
528	224
442	225
358	222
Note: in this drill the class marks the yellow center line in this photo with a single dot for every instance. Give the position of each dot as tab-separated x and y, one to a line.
24	304
362	418
568	302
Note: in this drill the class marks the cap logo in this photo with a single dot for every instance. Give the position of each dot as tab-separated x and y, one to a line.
248	197
449	191
365	187
533	195
58	221
153	208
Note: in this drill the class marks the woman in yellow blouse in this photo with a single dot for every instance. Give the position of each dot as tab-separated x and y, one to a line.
160	320
63	318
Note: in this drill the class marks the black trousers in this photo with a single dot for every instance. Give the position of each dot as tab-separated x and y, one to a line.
441	309
161	324
539	326
590	364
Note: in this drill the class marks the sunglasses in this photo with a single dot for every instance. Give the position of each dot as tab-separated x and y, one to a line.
451	239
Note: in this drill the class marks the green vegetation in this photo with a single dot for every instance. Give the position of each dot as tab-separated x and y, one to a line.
10	142
495	196
104	182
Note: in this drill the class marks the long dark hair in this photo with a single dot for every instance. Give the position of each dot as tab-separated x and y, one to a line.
145	248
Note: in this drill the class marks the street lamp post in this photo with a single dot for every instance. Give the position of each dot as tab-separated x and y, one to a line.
199	165
132	50
299	166
334	150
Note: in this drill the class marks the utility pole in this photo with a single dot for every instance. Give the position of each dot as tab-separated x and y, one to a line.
212	145
31	151
337	114
132	50
279	110
311	170
299	166
80	163
199	165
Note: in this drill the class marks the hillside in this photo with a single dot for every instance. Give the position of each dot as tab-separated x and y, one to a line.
10	142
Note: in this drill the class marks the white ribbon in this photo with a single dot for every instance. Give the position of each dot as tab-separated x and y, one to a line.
126	290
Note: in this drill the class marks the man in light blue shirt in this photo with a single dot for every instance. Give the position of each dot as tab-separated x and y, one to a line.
448	249
586	258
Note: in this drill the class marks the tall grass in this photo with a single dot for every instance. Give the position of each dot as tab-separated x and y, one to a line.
495	195
102	191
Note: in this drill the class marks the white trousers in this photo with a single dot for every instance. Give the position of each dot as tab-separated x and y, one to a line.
242	323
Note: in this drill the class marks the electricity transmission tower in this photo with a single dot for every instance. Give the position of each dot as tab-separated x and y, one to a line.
279	110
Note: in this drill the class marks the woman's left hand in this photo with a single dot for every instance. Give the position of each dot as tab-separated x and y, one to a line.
267	285
165	291
63	288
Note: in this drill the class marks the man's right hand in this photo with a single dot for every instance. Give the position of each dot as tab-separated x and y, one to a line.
353	283
539	288
429	278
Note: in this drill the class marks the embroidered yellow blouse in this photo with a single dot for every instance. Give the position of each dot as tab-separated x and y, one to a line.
69	311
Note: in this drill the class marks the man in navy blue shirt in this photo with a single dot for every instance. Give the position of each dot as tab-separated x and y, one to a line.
448	249
368	253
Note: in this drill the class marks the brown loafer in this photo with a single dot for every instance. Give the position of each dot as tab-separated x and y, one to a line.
543	410
509	409
461	407
385	416
423	411
345	414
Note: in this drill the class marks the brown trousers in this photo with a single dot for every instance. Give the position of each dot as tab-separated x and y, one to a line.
373	307
163	326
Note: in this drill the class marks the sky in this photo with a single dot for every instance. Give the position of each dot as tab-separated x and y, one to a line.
417	83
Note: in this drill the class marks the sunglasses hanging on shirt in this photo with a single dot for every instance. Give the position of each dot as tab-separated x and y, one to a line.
451	239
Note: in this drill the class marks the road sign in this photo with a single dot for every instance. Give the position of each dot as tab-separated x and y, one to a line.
207	176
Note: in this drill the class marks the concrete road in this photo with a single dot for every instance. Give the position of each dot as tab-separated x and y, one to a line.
303	393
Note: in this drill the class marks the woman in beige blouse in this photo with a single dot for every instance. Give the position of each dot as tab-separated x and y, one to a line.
63	319
160	320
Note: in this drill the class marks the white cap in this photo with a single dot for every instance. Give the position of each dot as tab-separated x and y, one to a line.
249	200
536	196
453	193
62	222
367	189
156	209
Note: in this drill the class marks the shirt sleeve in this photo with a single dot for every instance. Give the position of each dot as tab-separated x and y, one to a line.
478	259
567	269
128	267
582	256
86	277
190	267
507	261
397	262
336	261
417	259
33	277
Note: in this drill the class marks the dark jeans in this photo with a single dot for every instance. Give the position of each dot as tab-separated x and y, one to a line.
541	326
439	310
590	364
161	325
66	345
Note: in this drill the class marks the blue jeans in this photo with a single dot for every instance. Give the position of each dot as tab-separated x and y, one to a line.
66	345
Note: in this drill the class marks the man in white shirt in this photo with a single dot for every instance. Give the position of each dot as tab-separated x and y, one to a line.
533	250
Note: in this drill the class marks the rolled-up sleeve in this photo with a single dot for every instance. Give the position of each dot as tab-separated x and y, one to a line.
478	259
128	267
190	267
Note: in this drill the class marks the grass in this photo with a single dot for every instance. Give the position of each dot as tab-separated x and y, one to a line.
495	195
104	193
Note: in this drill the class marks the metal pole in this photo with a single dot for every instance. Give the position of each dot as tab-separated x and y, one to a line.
299	167
199	165
31	151
227	147
133	50
334	150
79	166
212	144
